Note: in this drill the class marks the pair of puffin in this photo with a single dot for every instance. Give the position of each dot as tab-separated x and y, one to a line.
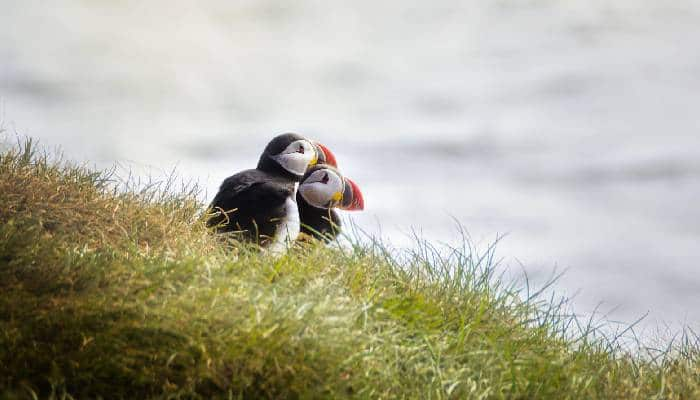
292	191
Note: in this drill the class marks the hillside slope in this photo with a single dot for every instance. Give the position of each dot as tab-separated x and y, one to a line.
124	294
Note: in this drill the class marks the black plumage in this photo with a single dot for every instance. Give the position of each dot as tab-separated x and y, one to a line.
251	202
320	223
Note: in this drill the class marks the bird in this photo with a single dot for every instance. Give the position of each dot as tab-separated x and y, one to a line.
322	189
259	204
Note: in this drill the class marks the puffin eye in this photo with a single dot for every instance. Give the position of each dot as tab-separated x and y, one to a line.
325	178
301	149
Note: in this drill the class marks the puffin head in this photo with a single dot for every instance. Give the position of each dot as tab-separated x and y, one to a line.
324	187
294	154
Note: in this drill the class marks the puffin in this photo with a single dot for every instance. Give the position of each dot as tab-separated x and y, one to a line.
322	189
260	204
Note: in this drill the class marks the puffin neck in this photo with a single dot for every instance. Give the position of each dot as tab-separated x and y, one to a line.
267	164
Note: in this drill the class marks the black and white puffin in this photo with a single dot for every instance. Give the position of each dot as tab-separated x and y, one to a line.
260	203
322	189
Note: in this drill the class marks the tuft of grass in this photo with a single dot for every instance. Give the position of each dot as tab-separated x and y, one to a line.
117	291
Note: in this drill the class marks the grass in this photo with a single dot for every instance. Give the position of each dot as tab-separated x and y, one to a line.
118	292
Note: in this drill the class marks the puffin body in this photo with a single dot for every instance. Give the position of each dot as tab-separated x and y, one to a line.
320	223
260	204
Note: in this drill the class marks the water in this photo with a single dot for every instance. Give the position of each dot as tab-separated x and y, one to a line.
571	128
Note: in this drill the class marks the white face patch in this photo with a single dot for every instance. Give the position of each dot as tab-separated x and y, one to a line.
296	157
322	188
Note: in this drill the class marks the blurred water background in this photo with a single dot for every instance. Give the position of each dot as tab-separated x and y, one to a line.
571	127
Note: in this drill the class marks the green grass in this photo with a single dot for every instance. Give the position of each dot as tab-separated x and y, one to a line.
123	293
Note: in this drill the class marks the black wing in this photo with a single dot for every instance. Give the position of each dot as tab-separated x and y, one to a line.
323	224
247	204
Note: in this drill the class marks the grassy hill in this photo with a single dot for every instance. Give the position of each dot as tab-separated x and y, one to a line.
123	293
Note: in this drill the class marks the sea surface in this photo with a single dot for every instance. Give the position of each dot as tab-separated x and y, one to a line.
572	129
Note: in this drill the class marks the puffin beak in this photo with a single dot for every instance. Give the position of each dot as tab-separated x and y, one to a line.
352	197
324	155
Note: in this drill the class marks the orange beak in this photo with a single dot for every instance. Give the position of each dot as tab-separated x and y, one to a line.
352	197
325	156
